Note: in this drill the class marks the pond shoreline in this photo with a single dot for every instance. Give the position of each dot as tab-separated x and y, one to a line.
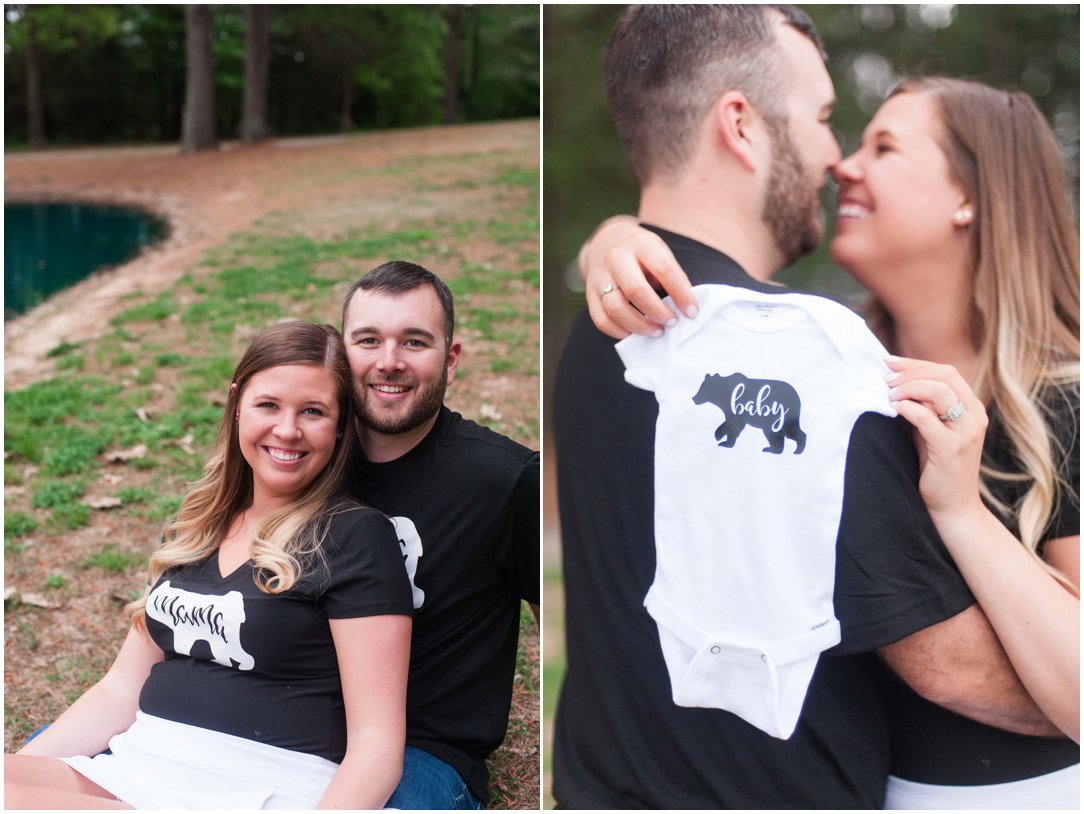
120	249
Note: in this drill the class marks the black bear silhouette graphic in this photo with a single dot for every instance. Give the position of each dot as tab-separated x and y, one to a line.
772	406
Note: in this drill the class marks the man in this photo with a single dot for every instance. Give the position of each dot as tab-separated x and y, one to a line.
464	501
724	111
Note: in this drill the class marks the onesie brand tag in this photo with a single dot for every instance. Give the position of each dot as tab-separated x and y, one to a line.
764	310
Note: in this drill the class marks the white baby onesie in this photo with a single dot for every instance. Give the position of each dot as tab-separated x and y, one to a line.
757	399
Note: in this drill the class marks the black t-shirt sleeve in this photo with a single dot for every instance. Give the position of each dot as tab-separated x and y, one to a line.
365	564
520	533
893	573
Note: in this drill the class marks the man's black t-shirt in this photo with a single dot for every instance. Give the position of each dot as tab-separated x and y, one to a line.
263	666
620	740
465	507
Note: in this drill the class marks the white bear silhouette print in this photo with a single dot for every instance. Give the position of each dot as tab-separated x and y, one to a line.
410	542
194	617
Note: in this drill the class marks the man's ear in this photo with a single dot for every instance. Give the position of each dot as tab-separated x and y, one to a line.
737	122
453	362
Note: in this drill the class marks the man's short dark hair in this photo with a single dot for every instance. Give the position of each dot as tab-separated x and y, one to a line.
398	277
667	64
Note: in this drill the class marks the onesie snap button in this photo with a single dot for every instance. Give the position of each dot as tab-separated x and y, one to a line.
764	658
716	650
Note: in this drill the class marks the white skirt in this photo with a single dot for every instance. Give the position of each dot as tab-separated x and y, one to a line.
161	764
1057	790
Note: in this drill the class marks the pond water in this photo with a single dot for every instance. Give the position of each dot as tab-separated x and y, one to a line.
49	246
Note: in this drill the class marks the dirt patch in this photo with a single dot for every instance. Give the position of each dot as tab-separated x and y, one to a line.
65	623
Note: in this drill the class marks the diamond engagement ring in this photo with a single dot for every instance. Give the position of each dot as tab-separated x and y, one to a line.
954	412
606	289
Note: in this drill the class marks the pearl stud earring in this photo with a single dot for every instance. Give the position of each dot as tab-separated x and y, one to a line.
963	215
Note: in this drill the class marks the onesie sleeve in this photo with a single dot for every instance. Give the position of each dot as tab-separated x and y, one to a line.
893	573
367	576
644	358
874	389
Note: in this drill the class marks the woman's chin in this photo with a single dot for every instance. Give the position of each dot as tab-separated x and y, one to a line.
842	254
851	259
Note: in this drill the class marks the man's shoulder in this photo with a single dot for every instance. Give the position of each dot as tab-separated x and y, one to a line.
470	442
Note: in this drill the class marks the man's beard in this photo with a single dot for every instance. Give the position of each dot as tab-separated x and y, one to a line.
790	206
427	401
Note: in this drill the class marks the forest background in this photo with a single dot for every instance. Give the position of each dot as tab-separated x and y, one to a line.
1034	48
107	74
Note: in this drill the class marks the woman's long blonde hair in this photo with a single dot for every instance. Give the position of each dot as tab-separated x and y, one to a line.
287	542
1025	307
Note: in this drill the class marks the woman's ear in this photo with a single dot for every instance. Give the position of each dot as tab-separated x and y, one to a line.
737	124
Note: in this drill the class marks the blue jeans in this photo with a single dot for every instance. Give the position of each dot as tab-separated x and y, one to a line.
430	783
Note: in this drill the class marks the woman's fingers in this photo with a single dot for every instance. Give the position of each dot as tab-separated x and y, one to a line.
621	270
619	317
936	395
596	307
950	423
643	262
940	388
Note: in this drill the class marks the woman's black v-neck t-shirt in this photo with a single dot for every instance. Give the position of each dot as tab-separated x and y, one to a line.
263	666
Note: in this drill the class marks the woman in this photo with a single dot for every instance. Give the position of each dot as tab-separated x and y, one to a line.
955	215
266	666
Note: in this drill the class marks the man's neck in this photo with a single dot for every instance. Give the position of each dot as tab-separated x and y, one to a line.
382	447
681	210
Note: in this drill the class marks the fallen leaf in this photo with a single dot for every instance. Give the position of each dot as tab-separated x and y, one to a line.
37	601
143	415
490	412
119	456
111	479
9	592
104	502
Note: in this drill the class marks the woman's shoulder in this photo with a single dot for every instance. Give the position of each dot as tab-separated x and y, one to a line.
347	515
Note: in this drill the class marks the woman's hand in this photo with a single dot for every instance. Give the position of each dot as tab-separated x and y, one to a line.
620	265
949	440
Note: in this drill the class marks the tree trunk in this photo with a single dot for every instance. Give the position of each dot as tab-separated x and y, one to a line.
346	121
198	127
451	65
257	68
35	110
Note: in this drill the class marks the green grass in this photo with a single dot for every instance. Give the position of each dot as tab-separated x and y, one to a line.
70	517
161	307
55	493
18	524
62	349
109	559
